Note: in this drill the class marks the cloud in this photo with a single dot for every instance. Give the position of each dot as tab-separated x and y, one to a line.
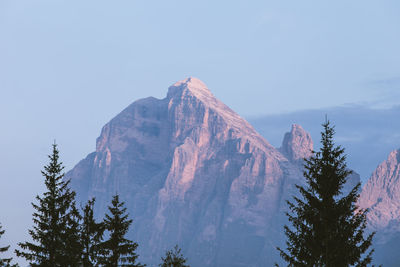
367	133
389	83
386	92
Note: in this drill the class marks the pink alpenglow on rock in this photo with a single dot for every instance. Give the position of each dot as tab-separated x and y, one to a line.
297	144
381	194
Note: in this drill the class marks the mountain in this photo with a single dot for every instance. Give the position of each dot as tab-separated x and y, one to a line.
297	144
381	195
194	173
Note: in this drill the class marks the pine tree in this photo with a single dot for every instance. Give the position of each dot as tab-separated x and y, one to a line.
174	258
73	247
91	236
117	250
55	231
6	262
327	226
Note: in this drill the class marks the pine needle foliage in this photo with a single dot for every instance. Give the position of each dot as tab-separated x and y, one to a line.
327	226
117	250
91	236
174	258
55	232
5	262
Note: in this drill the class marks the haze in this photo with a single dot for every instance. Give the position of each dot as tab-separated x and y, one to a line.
67	67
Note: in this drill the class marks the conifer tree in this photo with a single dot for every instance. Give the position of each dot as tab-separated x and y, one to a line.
117	250
55	232
73	246
327	226
91	236
5	262
174	258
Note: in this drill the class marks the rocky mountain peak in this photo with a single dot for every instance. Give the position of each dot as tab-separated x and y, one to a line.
381	194
297	144
193	173
190	86
190	96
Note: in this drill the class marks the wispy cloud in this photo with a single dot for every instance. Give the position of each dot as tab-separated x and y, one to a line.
386	92
389	83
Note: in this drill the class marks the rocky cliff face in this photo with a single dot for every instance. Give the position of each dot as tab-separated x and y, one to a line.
381	194
297	144
194	173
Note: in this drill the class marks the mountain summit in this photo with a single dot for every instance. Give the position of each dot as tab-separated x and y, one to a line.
193	89
194	85
297	144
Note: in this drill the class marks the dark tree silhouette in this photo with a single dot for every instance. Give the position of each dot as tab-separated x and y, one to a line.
56	222
91	236
174	258
5	262
327	226
117	250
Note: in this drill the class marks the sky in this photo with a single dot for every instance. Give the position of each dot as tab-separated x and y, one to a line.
68	67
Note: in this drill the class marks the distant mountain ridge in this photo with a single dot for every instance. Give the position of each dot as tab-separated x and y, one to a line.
195	173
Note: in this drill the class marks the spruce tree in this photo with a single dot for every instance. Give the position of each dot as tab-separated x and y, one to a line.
91	236
5	262
174	258
73	247
117	250
55	231
327	226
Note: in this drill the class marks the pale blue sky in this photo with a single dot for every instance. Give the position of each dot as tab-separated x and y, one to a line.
67	67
